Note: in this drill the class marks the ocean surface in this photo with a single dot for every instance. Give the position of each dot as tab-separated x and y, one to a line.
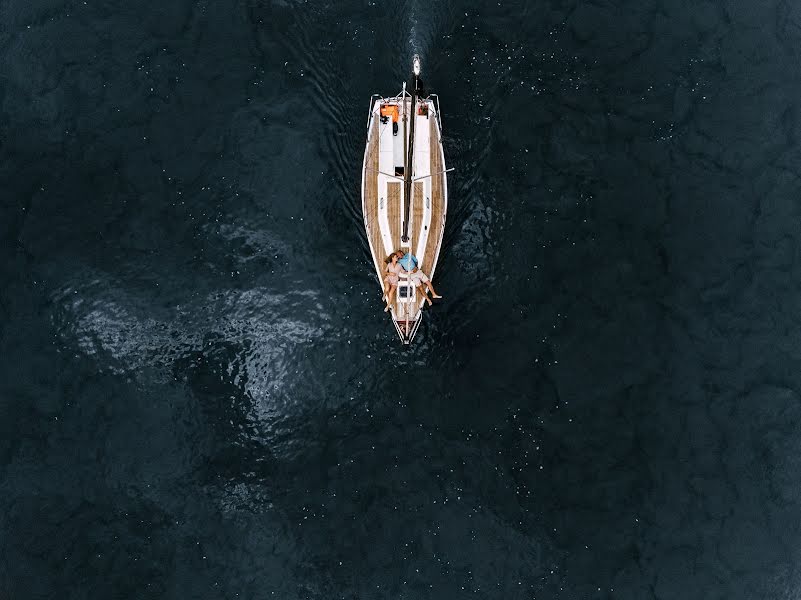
200	396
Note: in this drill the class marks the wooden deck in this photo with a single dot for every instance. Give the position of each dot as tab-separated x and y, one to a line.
394	214
416	213
437	201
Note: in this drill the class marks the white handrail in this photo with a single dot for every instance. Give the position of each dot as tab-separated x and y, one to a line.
370	108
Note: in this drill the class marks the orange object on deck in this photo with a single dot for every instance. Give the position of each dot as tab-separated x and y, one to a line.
390	110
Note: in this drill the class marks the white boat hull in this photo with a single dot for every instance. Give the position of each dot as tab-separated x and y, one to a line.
384	202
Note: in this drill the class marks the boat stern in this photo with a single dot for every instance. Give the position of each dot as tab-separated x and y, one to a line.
407	329
407	310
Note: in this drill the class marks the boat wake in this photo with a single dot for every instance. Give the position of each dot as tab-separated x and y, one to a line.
425	25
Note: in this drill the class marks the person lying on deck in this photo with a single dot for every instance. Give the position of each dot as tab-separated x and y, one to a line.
417	278
391	277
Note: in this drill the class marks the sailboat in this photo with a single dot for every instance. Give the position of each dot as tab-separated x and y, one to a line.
405	193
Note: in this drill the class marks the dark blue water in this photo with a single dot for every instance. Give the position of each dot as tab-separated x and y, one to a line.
201	398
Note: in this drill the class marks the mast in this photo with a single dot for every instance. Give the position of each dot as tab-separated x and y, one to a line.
404	118
407	169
